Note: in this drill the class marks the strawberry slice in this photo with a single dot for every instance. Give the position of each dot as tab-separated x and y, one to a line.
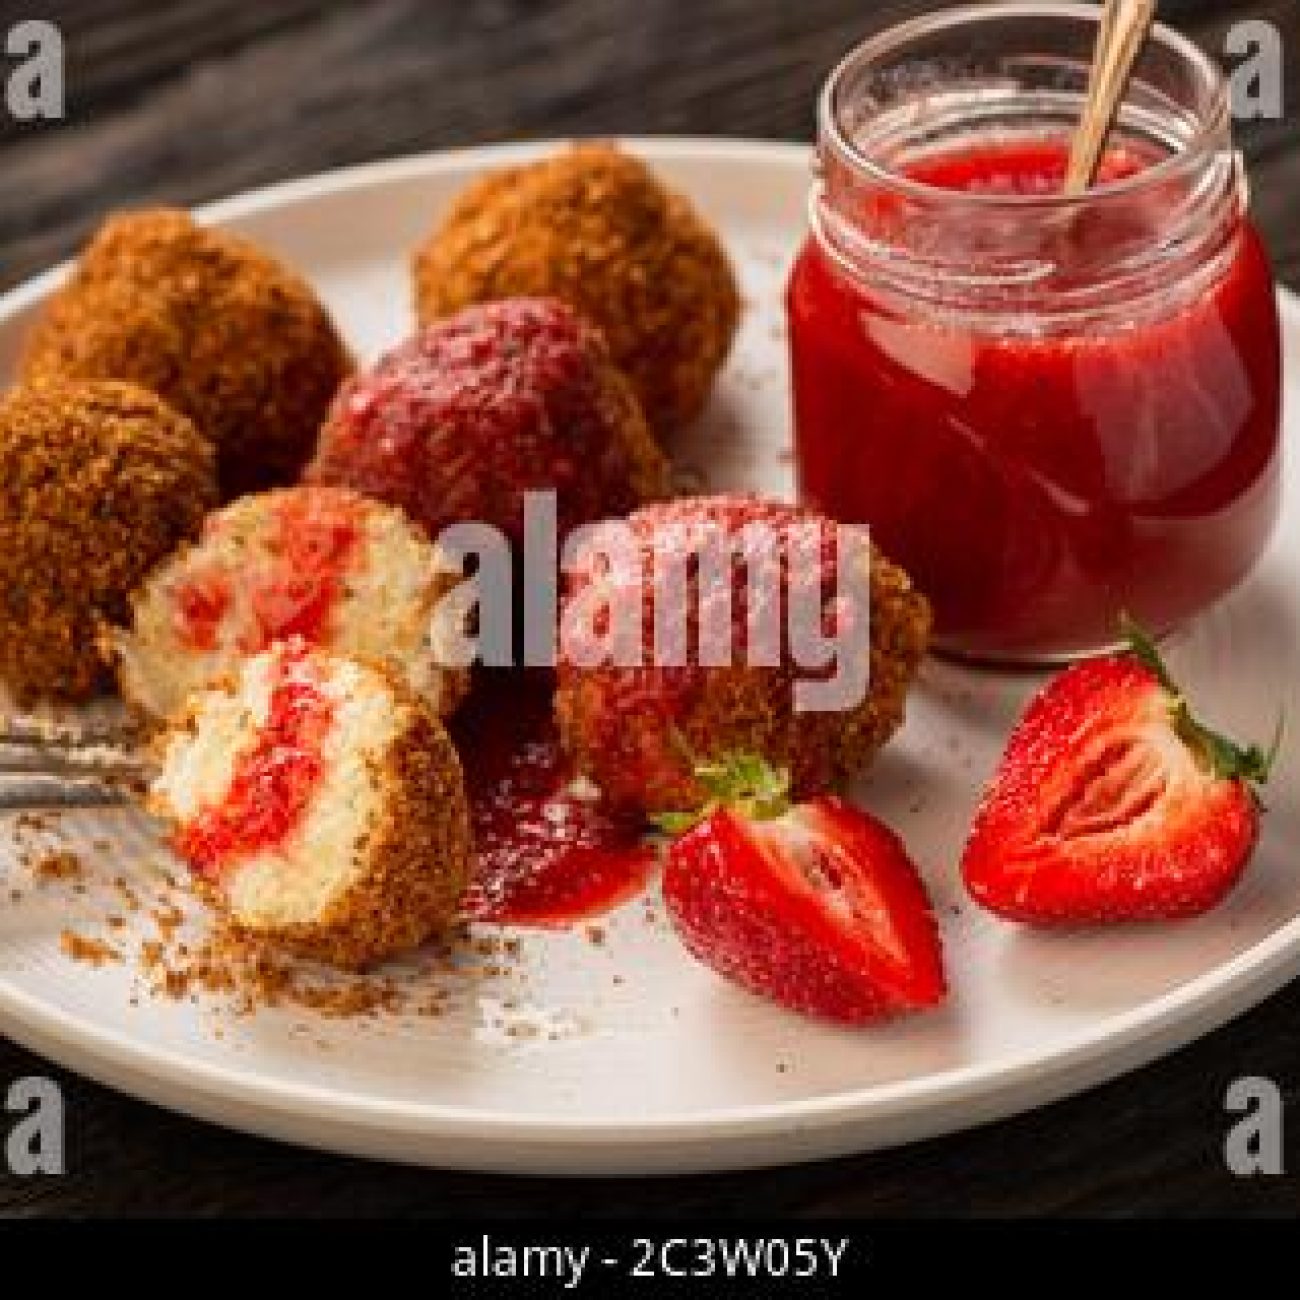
1113	803
815	906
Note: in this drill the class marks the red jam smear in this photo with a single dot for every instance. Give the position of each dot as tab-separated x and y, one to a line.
313	539
544	855
201	605
273	780
1037	484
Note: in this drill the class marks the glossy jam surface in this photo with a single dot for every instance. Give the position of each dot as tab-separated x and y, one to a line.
273	781
311	541
1031	167
1037	483
546	855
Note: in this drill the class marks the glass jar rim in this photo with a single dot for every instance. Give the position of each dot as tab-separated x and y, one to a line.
1205	140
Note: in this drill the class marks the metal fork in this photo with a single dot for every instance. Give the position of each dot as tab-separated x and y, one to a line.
56	766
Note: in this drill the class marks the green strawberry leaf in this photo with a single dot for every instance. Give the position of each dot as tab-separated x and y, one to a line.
1223	756
676	823
1142	646
748	783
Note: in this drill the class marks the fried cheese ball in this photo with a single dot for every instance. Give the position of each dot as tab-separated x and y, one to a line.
459	422
218	328
320	804
594	227
343	572
98	482
639	730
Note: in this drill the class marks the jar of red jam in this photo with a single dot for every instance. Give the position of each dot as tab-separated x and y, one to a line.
1050	411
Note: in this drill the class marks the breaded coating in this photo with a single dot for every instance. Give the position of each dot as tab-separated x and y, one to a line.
321	805
219	329
637	731
417	859
98	482
594	227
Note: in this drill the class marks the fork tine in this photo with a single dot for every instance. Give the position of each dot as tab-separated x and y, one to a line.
49	735
18	793
94	766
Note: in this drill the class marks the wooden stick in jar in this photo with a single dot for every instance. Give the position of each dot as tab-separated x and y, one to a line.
1121	33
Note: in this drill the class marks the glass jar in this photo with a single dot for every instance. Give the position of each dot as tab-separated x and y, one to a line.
1050	411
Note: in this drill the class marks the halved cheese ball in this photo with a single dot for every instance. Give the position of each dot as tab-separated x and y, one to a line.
338	569
320	803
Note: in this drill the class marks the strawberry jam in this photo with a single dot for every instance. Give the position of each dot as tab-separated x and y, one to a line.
312	537
315	537
547	854
201	604
273	779
1039	470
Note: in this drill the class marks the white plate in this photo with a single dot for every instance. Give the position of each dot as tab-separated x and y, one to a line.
665	1068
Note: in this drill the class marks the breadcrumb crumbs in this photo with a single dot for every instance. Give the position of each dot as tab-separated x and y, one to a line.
83	948
61	865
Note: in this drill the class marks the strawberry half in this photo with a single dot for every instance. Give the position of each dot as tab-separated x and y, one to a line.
815	906
1113	803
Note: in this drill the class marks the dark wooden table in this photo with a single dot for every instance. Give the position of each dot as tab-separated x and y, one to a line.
195	99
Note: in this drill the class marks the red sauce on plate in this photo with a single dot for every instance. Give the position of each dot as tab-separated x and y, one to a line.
545	855
1036	484
273	780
